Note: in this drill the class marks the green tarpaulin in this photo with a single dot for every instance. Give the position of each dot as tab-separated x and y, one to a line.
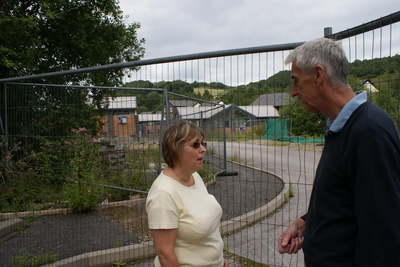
277	130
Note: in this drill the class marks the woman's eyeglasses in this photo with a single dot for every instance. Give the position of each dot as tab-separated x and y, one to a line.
196	145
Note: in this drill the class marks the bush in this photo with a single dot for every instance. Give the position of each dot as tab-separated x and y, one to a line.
19	187
80	163
70	173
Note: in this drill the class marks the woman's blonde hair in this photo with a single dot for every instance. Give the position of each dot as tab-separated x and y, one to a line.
174	137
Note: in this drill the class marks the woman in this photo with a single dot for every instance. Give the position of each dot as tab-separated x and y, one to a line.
184	219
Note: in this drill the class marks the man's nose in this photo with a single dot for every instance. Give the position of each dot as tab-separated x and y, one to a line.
293	91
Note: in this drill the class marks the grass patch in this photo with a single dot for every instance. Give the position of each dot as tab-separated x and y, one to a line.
24	259
213	92
237	159
291	193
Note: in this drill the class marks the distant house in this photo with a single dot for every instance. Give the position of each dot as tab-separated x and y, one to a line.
121	116
232	118
369	86
277	100
198	114
261	112
149	124
182	103
123	120
173	104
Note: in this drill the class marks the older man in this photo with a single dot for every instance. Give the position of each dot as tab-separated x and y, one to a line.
353	217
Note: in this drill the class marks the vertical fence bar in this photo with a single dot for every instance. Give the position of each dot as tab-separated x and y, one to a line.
6	115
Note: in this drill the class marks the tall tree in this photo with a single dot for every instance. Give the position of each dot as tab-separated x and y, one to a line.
53	35
56	35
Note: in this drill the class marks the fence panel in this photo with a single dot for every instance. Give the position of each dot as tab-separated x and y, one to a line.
77	160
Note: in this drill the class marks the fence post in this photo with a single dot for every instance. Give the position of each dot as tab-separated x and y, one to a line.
5	117
224	132
166	108
327	31
1	120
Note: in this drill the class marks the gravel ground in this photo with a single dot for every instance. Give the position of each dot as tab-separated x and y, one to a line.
74	234
64	235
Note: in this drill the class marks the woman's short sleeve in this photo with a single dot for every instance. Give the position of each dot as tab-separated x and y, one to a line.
162	210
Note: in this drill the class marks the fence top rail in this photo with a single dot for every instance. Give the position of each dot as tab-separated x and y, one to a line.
131	64
366	27
86	86
375	24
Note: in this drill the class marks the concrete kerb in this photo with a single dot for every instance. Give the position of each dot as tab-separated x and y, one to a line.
108	256
251	217
11	225
146	249
129	203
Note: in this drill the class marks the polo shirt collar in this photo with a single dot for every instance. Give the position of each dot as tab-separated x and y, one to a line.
347	110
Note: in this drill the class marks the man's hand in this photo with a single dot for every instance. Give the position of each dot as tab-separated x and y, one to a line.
291	239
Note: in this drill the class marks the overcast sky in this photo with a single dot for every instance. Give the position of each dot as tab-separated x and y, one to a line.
181	27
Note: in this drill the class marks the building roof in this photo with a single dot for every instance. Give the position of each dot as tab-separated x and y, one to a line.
193	113
182	103
149	116
214	103
197	113
261	111
123	102
277	99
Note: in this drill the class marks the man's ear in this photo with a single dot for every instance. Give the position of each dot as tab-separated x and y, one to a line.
319	73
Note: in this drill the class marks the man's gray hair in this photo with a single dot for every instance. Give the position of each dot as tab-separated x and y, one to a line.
325	52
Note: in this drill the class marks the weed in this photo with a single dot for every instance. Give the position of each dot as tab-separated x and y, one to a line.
237	159
118	242
28	220
119	263
286	197
206	173
141	260
211	150
24	259
18	231
291	193
225	246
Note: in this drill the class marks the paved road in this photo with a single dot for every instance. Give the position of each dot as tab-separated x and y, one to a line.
294	165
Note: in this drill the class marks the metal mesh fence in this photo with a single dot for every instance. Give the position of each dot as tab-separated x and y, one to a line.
77	161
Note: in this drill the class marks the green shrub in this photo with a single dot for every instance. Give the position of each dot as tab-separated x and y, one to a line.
18	185
78	161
